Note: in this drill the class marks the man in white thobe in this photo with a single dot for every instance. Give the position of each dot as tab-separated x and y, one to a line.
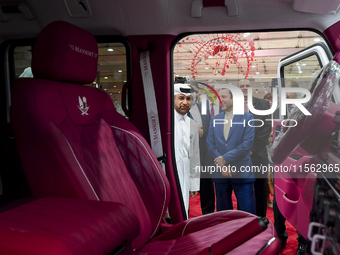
186	144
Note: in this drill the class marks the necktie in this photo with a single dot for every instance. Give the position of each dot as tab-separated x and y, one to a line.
212	113
245	106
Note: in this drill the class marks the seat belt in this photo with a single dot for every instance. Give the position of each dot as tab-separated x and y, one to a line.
151	108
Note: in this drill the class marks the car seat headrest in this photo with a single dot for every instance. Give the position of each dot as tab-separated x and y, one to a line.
67	53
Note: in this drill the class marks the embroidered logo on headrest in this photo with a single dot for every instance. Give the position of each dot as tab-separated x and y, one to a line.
82	51
83	106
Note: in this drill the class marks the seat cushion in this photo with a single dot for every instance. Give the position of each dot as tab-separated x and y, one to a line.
194	235
66	226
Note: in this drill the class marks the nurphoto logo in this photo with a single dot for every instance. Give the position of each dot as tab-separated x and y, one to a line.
238	100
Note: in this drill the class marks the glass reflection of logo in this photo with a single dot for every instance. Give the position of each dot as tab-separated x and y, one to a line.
238	99
208	92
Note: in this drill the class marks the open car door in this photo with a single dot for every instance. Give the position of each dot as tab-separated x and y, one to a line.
298	152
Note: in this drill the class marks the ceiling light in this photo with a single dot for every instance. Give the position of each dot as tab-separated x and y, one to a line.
120	71
114	86
317	39
304	64
124	81
300	71
105	77
105	89
118	91
253	66
207	67
256	91
257	72
109	49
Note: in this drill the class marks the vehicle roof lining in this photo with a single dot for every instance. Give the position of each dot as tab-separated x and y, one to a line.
130	17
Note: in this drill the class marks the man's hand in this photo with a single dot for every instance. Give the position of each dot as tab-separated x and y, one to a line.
200	131
193	193
226	172
219	161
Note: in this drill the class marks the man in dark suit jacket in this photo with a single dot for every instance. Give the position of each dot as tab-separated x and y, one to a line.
259	154
229	145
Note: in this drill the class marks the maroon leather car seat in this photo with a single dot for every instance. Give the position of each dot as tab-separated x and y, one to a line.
74	144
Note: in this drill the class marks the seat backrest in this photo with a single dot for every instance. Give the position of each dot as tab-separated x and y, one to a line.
71	140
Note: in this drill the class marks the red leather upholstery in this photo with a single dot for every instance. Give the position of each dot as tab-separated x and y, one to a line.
74	144
72	153
66	226
65	155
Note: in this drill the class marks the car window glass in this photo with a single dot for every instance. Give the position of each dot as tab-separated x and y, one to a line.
111	72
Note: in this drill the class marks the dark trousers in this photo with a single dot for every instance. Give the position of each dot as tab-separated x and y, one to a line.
261	189
279	223
207	195
244	193
260	158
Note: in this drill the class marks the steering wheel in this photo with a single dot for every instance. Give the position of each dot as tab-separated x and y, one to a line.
310	129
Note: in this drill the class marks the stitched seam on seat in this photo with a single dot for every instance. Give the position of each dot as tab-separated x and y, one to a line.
82	169
200	217
195	219
158	173
186	226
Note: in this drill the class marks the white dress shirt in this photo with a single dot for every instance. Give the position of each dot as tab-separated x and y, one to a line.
228	116
187	156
